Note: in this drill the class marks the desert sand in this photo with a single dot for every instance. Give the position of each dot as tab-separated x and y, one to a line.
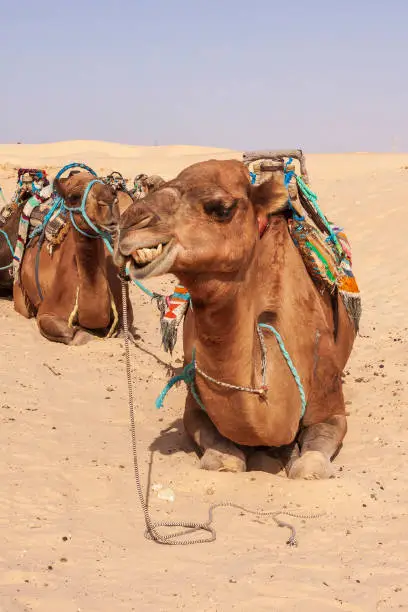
71	528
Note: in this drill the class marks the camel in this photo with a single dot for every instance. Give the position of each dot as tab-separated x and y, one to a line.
75	289
203	227
8	237
28	181
144	184
118	183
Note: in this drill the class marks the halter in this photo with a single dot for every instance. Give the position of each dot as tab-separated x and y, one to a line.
82	210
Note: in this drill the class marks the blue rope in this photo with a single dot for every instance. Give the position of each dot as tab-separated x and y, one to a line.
58	202
188	375
253	177
290	365
288	175
313	198
105	236
10	246
74	165
145	290
82	210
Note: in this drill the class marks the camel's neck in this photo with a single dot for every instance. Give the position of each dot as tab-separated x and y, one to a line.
94	297
225	317
226	313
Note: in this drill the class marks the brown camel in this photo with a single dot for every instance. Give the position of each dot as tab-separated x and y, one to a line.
144	184
203	226
118	183
10	218
78	279
8	237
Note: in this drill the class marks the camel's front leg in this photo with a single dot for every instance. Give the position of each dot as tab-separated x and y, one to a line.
219	454
22	304
318	444
56	329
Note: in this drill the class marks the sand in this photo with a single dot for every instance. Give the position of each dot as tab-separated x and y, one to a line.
71	528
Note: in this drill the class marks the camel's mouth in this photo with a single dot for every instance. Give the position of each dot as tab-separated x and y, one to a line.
151	261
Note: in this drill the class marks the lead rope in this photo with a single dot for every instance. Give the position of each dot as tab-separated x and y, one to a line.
187	527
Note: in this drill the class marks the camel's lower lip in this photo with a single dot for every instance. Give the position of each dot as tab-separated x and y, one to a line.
151	262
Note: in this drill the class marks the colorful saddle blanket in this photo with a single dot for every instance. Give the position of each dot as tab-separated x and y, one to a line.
328	264
33	216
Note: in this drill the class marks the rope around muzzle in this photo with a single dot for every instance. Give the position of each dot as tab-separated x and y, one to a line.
187	528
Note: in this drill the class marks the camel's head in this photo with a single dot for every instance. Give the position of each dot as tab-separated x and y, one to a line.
101	203
204	222
145	184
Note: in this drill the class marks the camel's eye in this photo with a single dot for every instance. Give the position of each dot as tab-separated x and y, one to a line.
219	210
73	198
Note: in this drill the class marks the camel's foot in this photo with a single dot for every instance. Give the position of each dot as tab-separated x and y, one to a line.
56	329
312	465
219	461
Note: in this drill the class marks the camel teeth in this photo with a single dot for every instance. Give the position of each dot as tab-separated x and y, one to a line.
147	255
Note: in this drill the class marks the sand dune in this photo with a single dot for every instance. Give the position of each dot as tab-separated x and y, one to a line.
103	156
71	529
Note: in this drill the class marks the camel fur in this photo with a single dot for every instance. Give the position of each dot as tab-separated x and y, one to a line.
78	280
207	220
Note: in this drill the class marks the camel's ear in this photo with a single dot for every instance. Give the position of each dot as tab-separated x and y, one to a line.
60	186
269	197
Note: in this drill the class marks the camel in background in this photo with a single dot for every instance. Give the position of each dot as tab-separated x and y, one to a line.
29	181
74	290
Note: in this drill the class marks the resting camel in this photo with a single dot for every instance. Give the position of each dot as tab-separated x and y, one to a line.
10	218
203	226
8	237
144	184
118	184
78	281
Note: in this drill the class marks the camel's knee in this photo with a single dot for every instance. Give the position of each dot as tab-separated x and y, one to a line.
55	329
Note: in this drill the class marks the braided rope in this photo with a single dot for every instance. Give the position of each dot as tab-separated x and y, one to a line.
187	527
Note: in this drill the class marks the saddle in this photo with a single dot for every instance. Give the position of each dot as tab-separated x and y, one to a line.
323	246
57	226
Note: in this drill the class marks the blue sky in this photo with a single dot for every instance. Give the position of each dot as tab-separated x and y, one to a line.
328	76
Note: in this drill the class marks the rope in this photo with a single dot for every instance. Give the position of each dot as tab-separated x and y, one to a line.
257	390
57	204
188	376
189	371
187	527
74	165
37	263
312	197
10	246
115	317
74	312
290	365
145	290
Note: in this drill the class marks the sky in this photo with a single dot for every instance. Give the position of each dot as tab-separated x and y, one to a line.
325	76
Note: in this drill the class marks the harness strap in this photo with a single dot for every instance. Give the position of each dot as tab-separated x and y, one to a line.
189	373
10	246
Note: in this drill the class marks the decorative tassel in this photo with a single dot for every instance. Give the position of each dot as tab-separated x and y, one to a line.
172	309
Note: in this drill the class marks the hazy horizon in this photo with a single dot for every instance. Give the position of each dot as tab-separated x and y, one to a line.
206	73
